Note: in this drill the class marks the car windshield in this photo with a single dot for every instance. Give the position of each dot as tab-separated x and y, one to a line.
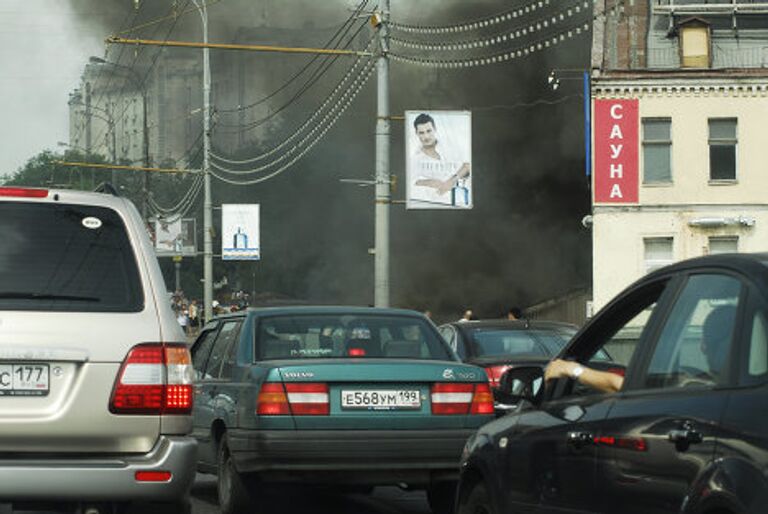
66	258
348	335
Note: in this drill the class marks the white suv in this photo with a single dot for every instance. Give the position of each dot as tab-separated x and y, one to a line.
95	374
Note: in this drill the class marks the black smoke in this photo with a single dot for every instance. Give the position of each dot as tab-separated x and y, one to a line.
521	244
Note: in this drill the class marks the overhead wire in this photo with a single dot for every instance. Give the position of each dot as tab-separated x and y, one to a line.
509	34
480	23
307	148
309	63
520	51
296	132
338	108
311	81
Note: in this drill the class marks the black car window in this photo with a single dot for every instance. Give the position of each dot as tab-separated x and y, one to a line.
756	371
61	257
313	336
201	351
227	334
695	344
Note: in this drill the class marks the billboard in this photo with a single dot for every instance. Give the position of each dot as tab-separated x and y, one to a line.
438	159
240	232
616	174
175	236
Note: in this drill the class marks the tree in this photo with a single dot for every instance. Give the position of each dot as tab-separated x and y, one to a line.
42	170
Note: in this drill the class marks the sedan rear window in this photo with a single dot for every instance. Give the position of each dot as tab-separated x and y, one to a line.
58	257
342	336
506	342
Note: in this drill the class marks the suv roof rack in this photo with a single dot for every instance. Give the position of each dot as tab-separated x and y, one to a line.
107	188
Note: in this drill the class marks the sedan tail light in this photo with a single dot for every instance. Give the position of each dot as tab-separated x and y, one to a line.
451	399
155	378
298	399
495	373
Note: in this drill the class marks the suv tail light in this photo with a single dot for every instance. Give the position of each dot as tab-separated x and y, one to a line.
299	399
495	373
155	378
23	192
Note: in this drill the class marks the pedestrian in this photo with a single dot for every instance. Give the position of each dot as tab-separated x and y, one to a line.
515	313
182	316
468	316
194	317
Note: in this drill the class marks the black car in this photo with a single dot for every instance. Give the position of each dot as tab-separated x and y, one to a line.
499	345
686	433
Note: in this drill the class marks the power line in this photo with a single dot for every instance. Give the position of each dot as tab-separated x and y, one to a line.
317	75
481	23
350	19
296	132
301	154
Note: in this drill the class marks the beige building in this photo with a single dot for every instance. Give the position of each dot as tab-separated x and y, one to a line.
680	149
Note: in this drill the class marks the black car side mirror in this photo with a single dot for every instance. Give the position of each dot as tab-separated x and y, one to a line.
522	383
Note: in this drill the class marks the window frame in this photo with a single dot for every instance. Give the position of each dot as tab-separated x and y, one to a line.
647	144
648	267
723	142
649	351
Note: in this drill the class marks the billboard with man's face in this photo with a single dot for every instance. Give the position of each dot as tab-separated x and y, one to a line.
438	162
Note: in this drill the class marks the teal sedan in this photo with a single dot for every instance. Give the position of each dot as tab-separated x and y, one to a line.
346	396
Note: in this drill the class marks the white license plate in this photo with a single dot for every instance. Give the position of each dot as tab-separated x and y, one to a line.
386	399
17	379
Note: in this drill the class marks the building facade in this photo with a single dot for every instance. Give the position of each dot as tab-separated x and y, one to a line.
680	99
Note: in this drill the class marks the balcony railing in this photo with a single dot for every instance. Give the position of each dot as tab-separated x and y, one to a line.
710	7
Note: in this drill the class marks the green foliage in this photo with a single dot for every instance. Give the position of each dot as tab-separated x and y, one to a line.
44	170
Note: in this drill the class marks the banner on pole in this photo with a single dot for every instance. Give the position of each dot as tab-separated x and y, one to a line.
175	236
240	232
438	161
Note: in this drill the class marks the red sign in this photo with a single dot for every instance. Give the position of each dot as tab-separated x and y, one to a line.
616	164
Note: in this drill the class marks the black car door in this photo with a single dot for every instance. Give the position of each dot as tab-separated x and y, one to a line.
739	481
550	456
660	435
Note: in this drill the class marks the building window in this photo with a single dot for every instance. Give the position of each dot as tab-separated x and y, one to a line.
722	148
695	39
723	244
658	252
657	150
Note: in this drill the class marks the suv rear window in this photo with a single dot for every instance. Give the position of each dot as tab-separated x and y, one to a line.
59	257
345	335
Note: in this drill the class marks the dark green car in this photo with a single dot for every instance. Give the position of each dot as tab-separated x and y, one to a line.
345	396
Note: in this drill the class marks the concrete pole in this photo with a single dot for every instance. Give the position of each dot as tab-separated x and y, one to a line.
207	205
383	179
147	163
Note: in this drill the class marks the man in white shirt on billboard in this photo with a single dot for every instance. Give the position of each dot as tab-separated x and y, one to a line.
435	169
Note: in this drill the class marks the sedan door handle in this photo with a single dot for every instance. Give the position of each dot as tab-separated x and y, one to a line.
685	436
580	439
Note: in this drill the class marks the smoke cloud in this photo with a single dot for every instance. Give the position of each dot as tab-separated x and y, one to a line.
521	244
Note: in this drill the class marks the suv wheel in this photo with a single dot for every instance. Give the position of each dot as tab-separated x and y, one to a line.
440	496
234	497
477	502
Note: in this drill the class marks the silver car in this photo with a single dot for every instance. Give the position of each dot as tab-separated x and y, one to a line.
95	373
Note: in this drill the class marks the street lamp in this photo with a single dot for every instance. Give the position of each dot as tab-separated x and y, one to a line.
207	206
139	84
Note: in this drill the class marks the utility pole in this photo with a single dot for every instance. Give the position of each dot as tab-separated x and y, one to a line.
88	141
207	206
383	179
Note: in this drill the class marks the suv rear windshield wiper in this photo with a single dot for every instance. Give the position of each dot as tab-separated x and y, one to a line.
18	295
